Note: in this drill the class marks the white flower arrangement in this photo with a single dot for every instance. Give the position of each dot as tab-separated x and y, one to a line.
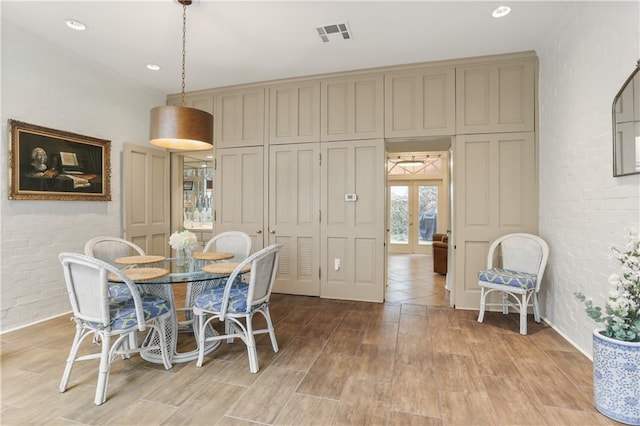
183	240
621	314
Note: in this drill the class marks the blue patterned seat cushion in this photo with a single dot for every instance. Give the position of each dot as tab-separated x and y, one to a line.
123	312
510	278
119	293
211	300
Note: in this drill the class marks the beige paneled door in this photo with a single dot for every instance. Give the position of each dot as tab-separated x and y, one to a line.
239	194
146	198
496	193
294	216
353	220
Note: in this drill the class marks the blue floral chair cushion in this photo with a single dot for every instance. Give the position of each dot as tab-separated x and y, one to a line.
211	300
119	293
510	278
123	312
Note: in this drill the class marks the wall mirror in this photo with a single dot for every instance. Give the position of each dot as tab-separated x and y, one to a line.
626	126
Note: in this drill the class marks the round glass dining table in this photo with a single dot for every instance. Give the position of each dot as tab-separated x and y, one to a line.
167	273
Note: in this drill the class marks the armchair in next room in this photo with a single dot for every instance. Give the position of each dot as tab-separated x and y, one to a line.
440	248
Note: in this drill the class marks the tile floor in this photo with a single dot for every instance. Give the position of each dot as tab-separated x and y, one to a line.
409	361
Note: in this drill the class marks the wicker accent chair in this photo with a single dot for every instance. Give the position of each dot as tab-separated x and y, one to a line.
524	258
440	247
237	302
97	314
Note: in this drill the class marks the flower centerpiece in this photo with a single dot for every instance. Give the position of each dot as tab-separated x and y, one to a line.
183	242
616	348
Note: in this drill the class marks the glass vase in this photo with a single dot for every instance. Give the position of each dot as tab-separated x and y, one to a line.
182	257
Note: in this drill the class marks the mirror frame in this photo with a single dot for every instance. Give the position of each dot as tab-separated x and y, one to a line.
616	153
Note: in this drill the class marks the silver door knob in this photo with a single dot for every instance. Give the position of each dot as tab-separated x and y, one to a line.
272	231
259	231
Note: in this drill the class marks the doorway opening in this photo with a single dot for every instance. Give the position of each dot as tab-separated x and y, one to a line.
413	214
418	205
417	200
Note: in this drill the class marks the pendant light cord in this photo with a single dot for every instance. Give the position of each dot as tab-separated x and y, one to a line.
184	43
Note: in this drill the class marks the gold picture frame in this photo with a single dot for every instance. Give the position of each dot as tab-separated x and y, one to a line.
49	164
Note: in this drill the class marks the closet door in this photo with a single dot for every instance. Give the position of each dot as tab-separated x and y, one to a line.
240	118
146	198
497	97
496	194
353	220
239	192
294	113
294	215
420	102
352	108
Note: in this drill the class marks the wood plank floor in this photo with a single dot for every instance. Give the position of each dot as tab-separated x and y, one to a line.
409	361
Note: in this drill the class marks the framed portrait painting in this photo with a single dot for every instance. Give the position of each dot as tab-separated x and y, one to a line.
48	164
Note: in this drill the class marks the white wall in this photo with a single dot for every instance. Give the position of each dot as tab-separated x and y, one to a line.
46	85
583	208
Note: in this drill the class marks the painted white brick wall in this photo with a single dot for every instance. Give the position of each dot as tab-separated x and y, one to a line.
45	85
583	208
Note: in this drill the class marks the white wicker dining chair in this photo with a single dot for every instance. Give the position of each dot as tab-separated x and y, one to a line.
235	242
97	314
110	248
524	258
237	302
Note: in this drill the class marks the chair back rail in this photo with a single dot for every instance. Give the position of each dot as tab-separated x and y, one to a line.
236	242
87	281
109	248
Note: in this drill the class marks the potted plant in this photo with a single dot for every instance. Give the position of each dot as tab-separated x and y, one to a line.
616	348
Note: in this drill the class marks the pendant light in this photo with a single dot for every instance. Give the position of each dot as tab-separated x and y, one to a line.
181	127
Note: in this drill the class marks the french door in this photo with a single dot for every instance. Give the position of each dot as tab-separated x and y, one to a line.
413	214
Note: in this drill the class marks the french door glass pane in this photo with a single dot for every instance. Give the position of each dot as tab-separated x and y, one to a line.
399	214
427	213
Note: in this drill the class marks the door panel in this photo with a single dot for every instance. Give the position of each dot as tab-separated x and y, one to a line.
496	194
429	198
239	196
294	210
399	217
146	198
352	235
413	214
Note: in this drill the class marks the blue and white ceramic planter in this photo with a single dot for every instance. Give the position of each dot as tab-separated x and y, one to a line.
616	378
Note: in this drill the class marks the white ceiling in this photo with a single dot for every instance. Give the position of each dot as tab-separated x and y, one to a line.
235	42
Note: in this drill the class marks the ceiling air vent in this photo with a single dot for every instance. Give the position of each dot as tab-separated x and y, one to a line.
335	31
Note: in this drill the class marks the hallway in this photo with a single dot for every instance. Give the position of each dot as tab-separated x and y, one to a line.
411	280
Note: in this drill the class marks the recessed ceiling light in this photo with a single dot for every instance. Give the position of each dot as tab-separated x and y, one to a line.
75	25
501	11
153	67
